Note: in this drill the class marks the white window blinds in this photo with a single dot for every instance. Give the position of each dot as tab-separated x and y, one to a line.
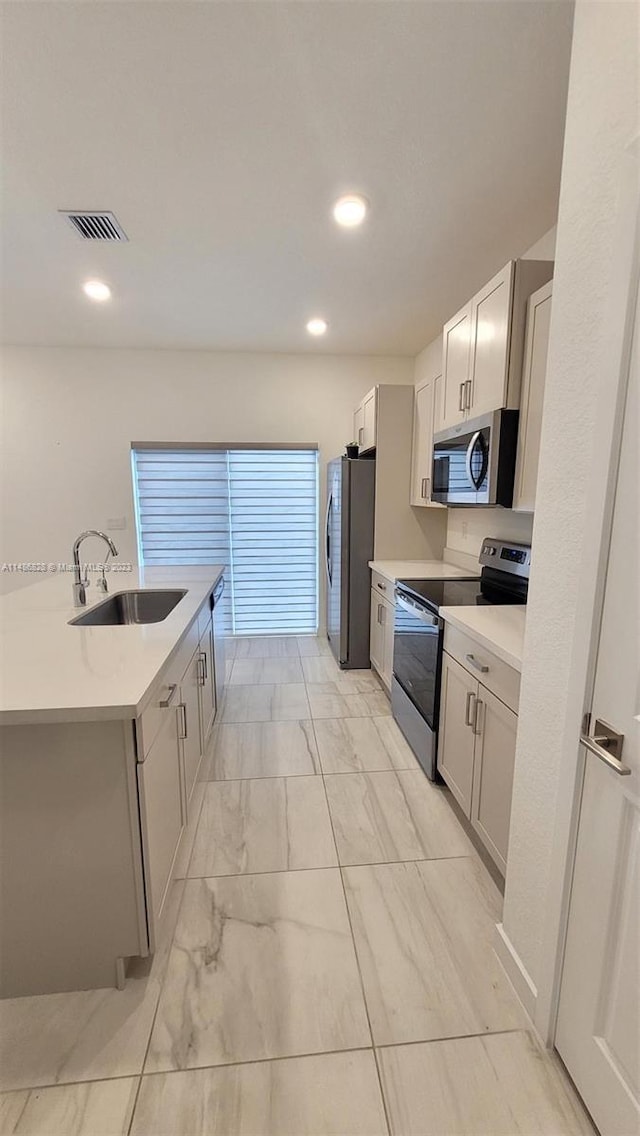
252	510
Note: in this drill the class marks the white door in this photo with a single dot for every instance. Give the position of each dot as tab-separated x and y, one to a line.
598	1032
534	374
422	444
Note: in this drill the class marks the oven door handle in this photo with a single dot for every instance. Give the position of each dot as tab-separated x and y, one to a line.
419	612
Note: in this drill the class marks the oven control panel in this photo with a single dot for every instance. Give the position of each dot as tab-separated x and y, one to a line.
506	555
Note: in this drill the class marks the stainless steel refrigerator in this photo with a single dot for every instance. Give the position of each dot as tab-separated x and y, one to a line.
349	548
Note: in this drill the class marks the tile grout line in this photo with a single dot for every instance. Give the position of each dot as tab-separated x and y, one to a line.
265	1060
323	867
353	943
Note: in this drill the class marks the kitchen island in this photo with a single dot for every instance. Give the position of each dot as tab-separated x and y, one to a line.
102	732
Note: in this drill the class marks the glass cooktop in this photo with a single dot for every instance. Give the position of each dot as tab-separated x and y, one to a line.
462	592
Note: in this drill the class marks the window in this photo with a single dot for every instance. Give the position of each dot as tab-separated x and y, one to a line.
254	510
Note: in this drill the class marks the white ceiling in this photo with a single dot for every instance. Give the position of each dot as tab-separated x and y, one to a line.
220	133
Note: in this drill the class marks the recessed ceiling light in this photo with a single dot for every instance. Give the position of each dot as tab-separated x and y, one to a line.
351	210
317	326
96	290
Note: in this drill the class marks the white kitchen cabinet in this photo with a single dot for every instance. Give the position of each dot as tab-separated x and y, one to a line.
422	448
207	685
496	727
456	366
370	420
162	810
532	397
456	740
190	724
381	637
490	341
365	421
483	344
477	741
358	425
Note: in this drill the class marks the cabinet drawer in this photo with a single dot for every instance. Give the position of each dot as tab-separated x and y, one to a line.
501	679
150	721
383	587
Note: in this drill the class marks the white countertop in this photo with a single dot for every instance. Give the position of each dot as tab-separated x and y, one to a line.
52	671
419	570
499	628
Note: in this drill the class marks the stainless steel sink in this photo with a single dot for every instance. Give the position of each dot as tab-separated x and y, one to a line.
147	606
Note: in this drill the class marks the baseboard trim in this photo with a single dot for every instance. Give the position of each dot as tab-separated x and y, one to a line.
515	970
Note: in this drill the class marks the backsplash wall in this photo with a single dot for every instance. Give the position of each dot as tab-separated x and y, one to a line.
466	528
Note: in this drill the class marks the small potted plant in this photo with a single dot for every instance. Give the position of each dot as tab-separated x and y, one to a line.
352	449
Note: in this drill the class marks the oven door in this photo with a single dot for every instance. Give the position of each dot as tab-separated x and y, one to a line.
416	655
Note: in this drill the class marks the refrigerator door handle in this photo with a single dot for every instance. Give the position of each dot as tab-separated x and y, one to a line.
328	539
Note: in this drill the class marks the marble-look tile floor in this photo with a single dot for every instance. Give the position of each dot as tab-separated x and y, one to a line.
326	966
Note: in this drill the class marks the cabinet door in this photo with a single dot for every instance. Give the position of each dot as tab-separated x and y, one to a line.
456	353
422	444
376	640
532	398
190	723
388	617
456	738
370	413
491	330
207	685
162	813
358	426
496	729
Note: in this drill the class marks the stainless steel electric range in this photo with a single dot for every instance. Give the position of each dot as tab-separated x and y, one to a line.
419	633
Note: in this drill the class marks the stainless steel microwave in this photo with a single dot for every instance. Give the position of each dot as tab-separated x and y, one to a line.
474	463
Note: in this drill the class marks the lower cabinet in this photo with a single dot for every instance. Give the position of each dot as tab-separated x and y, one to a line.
457	740
189	724
207	684
381	637
495	749
162	812
476	754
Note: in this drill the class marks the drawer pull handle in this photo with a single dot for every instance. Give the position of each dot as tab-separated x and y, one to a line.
482	667
164	702
468	719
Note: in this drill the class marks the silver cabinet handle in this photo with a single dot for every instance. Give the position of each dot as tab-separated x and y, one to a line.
476	716
425	487
360	435
468	387
482	667
383	587
200	668
204	665
164	702
461	400
471	698
183	715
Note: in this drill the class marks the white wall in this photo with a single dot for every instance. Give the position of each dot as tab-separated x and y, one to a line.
581	380
69	416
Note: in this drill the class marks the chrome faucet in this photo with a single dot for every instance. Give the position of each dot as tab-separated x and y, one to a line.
80	585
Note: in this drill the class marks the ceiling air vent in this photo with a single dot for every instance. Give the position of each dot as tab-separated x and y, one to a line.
96	226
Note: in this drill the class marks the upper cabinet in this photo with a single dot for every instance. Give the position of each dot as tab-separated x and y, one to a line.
456	368
365	422
483	344
533	380
424	410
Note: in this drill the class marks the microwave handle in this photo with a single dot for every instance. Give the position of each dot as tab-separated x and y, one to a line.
477	437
